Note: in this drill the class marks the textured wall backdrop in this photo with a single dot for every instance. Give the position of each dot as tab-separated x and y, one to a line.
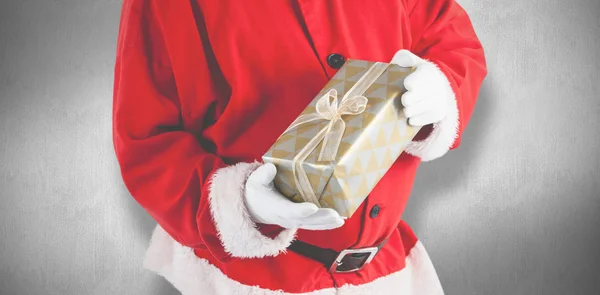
515	210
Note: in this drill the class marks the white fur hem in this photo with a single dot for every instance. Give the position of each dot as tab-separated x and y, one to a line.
235	228
444	133
193	276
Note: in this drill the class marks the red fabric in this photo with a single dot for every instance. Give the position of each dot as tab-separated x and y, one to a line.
203	84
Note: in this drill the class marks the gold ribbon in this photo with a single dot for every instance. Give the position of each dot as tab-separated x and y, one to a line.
328	108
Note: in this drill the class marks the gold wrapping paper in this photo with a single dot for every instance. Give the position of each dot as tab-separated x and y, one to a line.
358	118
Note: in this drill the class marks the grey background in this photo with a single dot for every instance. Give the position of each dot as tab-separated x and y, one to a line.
515	210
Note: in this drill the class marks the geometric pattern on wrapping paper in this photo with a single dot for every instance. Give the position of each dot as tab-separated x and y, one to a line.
372	141
375	141
281	155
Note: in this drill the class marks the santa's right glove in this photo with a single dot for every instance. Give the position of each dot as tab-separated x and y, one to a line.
241	198
267	206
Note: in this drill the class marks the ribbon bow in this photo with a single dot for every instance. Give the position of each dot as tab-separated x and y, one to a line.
327	108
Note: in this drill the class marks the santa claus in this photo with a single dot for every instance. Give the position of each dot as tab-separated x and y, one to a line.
204	88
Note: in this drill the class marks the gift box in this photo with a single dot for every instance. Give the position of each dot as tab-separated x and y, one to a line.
346	139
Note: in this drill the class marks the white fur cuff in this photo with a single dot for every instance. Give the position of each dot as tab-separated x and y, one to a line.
237	231
444	133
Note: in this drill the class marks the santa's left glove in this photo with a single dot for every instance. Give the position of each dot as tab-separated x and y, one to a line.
266	205
429	101
428	95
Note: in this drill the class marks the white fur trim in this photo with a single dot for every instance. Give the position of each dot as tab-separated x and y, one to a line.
444	133
193	276
235	227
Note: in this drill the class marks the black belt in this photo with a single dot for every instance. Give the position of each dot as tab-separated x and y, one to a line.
348	260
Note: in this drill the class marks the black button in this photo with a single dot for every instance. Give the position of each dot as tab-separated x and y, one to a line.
375	211
335	60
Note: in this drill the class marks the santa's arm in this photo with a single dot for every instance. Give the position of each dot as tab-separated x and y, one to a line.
441	33
193	194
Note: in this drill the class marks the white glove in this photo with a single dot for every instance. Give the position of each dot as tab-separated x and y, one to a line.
266	205
426	100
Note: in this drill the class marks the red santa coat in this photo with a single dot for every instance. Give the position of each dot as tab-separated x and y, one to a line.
202	90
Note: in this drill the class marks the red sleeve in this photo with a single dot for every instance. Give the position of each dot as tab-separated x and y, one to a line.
442	33
163	166
192	194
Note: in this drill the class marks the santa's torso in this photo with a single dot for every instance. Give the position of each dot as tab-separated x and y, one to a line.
266	61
